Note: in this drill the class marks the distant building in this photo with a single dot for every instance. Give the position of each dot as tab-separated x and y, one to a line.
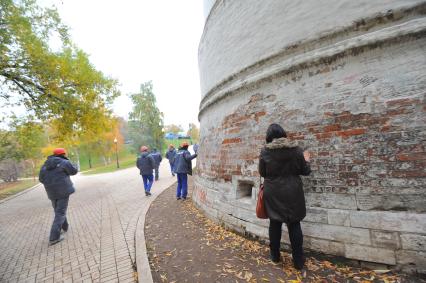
173	136
170	136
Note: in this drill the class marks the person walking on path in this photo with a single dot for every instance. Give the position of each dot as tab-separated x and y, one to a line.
146	165
157	158
55	176
183	167
281	163
170	155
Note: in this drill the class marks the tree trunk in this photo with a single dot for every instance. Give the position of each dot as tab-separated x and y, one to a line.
78	159
33	169
90	161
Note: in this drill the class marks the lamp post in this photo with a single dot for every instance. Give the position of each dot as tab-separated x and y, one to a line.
116	152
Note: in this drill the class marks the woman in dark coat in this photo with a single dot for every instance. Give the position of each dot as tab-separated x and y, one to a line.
281	163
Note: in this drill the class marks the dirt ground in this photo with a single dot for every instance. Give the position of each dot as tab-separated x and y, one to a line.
184	246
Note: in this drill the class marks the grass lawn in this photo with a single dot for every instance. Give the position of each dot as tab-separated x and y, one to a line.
8	189
127	163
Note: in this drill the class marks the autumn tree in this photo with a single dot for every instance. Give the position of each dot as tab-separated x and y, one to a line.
145	120
54	85
172	128
31	138
193	132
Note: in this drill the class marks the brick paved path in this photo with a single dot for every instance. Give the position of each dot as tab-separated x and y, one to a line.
100	245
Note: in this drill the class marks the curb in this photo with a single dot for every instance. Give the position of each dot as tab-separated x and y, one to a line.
142	263
20	193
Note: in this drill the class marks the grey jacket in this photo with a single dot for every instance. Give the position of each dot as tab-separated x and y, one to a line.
182	162
145	163
55	176
170	155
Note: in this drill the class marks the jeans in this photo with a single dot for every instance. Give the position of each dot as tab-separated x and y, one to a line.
156	173
296	240
182	186
147	182
171	169
60	221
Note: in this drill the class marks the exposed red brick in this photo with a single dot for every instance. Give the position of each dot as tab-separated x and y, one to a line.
233	130
332	128
323	136
402	102
412	156
258	115
385	128
398	111
233	140
315	130
349	133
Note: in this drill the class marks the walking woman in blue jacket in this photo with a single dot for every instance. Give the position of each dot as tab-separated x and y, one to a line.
55	176
183	167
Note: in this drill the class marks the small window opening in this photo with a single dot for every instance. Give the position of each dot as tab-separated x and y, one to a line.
244	189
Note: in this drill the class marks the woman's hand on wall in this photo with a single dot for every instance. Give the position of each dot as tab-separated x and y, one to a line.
307	155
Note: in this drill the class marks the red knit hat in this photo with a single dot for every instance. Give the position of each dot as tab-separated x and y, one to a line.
184	144
59	151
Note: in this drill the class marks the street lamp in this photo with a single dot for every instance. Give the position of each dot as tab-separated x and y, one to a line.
116	152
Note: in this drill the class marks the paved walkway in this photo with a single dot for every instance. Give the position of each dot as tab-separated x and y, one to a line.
100	245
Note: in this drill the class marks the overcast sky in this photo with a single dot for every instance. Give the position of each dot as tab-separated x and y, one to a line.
136	41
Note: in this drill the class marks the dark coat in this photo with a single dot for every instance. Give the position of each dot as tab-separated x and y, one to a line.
280	163
182	162
55	176
145	163
170	155
157	157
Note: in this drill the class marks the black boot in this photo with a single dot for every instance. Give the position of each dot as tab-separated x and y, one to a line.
299	263
275	256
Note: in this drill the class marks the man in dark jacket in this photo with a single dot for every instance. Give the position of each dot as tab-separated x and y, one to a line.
146	165
170	155
183	167
55	176
157	158
281	163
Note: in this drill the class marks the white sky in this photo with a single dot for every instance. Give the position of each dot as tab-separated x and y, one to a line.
139	40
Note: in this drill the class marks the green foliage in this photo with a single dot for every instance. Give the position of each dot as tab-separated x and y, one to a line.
175	129
60	85
30	137
145	120
98	161
9	147
194	132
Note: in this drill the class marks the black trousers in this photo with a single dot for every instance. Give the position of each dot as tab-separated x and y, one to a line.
296	240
